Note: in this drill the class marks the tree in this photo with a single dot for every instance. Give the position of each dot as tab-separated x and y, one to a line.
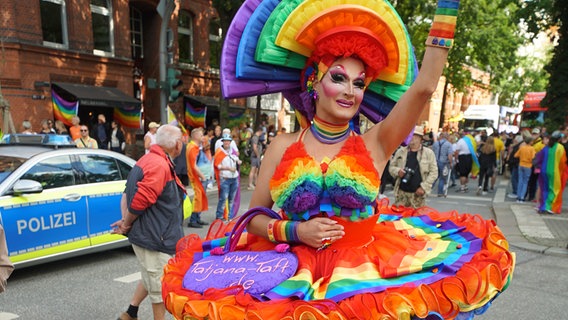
226	9
487	37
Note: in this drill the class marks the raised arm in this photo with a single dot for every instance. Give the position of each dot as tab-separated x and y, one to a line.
384	138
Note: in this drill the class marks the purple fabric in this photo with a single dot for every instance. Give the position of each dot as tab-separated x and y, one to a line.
231	87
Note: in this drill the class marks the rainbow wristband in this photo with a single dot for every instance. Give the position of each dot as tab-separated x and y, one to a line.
444	25
283	231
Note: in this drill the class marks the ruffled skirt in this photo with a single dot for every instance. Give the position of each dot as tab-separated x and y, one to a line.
400	264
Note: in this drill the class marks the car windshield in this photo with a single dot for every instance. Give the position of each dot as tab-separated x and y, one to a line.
8	165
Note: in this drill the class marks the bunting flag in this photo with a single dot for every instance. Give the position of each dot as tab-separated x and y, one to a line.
194	115
173	120
63	110
128	117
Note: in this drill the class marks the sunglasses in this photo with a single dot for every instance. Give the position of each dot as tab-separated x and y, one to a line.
84	130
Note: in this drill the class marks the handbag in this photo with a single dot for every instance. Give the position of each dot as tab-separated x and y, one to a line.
257	272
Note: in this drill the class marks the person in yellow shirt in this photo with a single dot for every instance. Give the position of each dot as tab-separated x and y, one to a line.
525	154
85	141
538	144
500	152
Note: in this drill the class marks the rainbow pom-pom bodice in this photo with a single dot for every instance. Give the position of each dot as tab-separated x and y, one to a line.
346	185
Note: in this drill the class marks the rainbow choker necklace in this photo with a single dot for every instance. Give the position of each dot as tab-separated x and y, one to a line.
329	133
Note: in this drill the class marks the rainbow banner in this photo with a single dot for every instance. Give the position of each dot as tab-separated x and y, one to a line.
237	115
194	115
63	110
128	117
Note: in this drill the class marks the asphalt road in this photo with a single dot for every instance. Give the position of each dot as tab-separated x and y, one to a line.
99	286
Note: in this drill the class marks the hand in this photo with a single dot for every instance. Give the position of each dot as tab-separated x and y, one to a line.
420	191
312	232
401	173
119	228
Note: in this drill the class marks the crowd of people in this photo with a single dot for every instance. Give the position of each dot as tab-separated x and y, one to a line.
532	158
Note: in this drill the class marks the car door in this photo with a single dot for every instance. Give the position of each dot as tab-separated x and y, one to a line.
39	225
104	180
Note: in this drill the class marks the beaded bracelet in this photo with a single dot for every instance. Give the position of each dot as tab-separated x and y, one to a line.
444	25
282	231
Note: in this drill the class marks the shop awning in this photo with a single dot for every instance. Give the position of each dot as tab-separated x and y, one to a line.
95	96
456	118
532	102
205	101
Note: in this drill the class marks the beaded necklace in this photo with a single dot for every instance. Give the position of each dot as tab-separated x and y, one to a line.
329	133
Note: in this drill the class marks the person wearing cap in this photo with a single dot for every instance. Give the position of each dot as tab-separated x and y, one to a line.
415	169
226	168
219	142
551	161
150	136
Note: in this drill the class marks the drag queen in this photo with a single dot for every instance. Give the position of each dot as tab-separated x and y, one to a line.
358	257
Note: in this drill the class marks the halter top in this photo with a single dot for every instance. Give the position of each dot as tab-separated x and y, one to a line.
347	185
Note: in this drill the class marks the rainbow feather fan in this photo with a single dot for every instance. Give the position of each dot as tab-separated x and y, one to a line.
269	42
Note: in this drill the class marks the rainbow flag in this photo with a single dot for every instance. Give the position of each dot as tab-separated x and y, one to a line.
237	115
194	115
552	177
63	110
128	117
472	146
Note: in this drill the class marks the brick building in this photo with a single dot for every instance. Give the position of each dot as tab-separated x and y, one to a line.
101	53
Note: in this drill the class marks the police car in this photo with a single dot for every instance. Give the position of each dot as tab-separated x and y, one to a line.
57	200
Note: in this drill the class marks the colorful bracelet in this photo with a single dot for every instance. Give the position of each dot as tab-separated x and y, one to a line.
444	25
283	231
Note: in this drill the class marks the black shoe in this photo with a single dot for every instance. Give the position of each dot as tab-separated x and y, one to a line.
194	225
203	223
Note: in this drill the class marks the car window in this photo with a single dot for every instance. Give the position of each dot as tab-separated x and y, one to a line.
124	169
8	165
52	173
99	168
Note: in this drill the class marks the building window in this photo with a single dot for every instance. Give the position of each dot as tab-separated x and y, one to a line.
101	14
185	37
54	23
136	38
215	38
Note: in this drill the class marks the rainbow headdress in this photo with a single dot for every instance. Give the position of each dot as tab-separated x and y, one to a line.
270	43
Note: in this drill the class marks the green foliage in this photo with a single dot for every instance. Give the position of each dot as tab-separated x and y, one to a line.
556	98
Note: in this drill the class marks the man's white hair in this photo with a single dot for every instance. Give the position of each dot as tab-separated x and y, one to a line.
167	136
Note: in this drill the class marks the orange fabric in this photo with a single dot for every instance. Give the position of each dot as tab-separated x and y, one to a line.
200	202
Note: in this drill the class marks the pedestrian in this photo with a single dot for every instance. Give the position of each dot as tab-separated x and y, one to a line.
255	157
219	142
513	164
60	127
75	129
415	170
499	164
117	142
45	128
444	159
101	132
27	126
85	141
180	163
466	156
487	156
324	180
226	163
154	214
538	144
150	136
526	155
197	179
551	161
217	134
6	266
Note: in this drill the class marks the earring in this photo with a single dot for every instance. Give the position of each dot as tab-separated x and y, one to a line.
314	95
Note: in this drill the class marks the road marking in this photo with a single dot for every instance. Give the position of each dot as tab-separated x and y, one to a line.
469	198
476	204
8	316
127	279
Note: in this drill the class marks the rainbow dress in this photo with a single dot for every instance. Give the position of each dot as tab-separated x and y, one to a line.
392	263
